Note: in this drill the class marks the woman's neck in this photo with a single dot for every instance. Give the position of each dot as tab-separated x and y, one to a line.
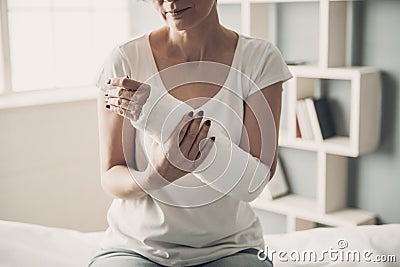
199	41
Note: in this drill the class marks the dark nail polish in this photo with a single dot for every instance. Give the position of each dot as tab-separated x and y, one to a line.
200	113
127	76
191	114
108	106
109	81
106	94
208	122
213	138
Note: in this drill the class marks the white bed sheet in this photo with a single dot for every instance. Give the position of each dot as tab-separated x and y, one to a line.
23	244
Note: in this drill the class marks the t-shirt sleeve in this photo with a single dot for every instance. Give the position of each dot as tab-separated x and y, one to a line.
115	65
271	68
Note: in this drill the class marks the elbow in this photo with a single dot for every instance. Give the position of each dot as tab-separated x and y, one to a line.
105	185
108	186
252	194
272	173
112	190
250	197
273	168
118	183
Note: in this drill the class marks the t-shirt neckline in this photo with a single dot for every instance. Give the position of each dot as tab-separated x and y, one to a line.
156	71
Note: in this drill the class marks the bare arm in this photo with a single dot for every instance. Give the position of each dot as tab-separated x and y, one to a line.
116	176
256	136
243	170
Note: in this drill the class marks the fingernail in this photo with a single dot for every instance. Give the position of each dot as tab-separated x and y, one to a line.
208	122
200	113
127	76
108	106
213	138
191	114
109	81
106	94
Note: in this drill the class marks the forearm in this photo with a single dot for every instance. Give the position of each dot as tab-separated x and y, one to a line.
119	182
231	170
234	167
159	117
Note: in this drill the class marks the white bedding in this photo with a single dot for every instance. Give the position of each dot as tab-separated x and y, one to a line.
23	244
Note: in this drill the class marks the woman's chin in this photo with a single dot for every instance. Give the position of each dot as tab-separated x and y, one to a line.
179	25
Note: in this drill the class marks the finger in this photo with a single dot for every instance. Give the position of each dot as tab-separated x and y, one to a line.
119	102
183	130
121	93
191	134
120	111
195	149
138	97
204	150
127	83
180	129
134	109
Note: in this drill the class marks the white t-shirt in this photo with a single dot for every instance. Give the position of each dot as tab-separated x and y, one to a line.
176	236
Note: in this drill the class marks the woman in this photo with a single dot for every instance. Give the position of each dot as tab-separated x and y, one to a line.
161	168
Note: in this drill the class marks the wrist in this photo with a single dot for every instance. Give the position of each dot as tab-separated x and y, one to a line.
152	179
159	116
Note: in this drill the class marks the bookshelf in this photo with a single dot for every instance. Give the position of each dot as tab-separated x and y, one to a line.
259	19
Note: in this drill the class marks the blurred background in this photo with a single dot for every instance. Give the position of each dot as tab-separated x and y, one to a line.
51	51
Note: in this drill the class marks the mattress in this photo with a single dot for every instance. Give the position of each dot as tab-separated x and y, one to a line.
24	244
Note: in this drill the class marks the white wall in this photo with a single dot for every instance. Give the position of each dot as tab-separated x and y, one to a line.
49	163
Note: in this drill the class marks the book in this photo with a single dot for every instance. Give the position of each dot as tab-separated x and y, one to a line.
298	133
313	117
304	121
325	118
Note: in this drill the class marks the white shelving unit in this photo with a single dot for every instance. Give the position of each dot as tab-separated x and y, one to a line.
259	19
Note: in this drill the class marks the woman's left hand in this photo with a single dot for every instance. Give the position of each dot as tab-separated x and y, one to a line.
128	98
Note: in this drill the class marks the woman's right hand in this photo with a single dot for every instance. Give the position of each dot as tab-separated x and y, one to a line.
128	98
183	152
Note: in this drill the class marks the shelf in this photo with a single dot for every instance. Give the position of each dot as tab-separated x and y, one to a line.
224	2
307	209
277	1
282	1
360	107
364	99
291	205
338	145
342	73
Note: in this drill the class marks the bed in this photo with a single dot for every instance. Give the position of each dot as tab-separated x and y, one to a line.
25	244
45	239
